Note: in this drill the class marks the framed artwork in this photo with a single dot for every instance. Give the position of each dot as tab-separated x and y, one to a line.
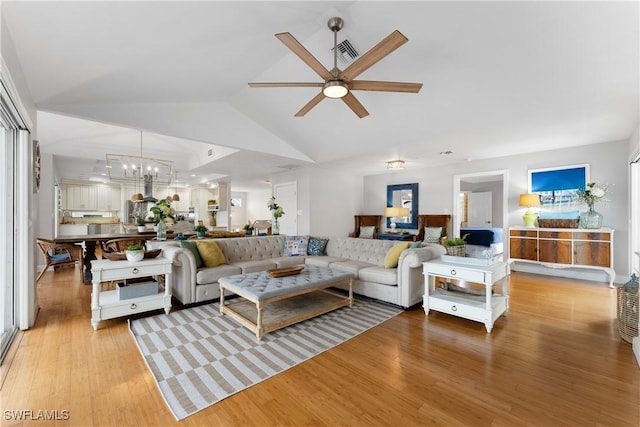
558	186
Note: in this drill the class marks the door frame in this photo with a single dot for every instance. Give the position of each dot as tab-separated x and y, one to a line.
500	175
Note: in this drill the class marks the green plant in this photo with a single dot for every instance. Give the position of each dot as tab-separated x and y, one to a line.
140	220
276	210
456	241
201	229
162	210
248	226
136	247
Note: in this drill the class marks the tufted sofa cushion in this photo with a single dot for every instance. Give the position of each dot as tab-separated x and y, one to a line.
242	249
371	251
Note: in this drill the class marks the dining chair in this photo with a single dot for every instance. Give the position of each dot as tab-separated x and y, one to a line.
59	254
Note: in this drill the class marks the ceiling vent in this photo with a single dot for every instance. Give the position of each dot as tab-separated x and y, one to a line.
347	53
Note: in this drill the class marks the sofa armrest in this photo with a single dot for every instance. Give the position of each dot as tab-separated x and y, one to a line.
415	257
183	263
410	277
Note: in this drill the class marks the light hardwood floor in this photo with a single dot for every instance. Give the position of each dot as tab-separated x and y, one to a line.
556	360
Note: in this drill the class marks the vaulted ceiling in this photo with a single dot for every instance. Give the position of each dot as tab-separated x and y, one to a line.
499	78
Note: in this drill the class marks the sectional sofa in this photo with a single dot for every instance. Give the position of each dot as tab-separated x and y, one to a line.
402	285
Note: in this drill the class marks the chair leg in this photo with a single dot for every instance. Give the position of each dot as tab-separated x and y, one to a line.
44	270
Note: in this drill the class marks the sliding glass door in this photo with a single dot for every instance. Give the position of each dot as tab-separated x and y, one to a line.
8	290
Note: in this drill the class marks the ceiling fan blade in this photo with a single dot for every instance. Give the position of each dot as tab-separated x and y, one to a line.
355	105
315	101
286	84
375	54
385	86
304	54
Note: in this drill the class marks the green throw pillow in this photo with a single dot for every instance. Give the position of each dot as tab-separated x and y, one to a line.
194	250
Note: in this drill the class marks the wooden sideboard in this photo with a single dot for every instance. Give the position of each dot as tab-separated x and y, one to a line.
563	248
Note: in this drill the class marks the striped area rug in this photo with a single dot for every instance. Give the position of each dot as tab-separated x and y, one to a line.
199	357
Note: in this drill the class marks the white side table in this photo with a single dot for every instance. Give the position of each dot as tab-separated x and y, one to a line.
485	309
106	305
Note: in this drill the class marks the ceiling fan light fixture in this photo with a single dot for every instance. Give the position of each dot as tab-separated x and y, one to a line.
335	89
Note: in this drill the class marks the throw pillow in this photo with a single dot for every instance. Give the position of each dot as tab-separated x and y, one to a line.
367	232
295	245
316	246
415	245
194	250
432	234
59	257
393	255
211	253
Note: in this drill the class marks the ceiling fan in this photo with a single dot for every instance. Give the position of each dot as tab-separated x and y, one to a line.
339	84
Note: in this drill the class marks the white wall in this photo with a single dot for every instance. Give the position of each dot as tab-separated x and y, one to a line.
608	165
327	200
336	198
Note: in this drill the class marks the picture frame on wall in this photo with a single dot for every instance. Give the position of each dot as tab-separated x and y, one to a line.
559	186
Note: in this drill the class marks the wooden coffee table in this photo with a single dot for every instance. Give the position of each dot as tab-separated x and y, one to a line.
270	303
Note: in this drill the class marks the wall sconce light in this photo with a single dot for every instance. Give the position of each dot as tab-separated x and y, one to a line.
395	164
529	200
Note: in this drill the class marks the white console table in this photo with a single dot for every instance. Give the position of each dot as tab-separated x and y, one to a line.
106	305
485	309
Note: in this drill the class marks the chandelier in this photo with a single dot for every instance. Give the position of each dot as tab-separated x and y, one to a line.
136	169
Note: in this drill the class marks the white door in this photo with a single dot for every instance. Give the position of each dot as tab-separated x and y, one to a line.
287	196
479	209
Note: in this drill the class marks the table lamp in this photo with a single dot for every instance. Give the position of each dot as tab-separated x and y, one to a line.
393	213
530	216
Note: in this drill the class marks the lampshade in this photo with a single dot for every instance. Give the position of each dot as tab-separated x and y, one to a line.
335	89
529	200
396	212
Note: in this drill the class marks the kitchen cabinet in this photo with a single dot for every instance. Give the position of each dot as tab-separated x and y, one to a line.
72	229
89	197
109	198
80	197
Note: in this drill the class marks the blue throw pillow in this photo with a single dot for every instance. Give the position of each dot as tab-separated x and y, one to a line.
317	246
59	257
193	247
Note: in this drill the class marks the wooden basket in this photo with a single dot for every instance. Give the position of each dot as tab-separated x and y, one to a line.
628	313
558	223
285	271
460	250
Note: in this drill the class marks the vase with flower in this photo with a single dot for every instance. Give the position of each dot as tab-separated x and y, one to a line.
276	212
162	211
590	195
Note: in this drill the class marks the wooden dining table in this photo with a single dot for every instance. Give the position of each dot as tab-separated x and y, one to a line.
91	241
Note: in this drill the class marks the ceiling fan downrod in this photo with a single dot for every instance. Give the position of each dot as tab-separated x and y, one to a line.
335	88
